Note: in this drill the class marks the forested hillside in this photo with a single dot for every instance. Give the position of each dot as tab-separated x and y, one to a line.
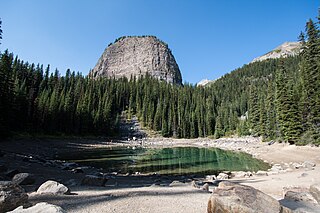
275	99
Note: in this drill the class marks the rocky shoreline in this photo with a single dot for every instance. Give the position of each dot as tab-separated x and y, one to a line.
29	164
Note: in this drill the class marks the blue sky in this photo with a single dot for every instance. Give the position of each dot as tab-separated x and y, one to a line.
207	38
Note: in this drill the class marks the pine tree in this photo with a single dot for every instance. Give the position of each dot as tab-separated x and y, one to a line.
254	113
0	31
270	112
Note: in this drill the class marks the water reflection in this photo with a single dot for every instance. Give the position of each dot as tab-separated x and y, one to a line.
179	160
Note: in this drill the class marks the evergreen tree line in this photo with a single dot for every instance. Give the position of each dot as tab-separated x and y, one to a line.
35	101
286	105
275	99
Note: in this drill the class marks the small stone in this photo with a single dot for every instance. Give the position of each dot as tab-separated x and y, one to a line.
77	170
205	187
261	173
296	165
211	177
242	174
194	184
289	170
308	164
304	175
222	176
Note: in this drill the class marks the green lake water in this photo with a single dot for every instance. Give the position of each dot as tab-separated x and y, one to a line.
170	161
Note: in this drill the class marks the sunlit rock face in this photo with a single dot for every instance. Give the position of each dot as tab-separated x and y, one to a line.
135	56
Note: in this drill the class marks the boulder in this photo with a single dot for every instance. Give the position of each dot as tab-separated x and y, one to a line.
11	196
315	191
261	173
308	165
242	174
300	197
235	198
93	180
40	208
211	177
222	176
23	179
53	187
300	202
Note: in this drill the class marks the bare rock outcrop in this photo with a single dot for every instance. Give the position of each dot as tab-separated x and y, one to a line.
135	56
284	50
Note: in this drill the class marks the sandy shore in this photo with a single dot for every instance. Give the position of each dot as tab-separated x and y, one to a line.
181	197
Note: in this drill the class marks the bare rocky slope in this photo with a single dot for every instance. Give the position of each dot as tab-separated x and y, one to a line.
135	56
284	50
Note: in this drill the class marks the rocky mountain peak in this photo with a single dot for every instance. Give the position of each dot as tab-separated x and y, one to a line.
205	82
284	50
135	56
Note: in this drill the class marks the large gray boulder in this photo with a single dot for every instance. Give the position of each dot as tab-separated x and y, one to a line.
40	208
235	198
135	56
11	196
53	187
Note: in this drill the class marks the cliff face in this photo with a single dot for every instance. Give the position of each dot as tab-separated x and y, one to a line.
135	56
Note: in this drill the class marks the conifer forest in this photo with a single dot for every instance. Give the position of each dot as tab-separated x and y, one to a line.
277	99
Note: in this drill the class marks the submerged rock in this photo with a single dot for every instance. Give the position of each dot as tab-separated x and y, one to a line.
176	183
93	180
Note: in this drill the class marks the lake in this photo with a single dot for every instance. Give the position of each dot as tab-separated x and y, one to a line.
169	161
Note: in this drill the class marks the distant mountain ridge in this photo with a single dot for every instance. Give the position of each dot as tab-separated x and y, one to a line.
284	50
205	82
